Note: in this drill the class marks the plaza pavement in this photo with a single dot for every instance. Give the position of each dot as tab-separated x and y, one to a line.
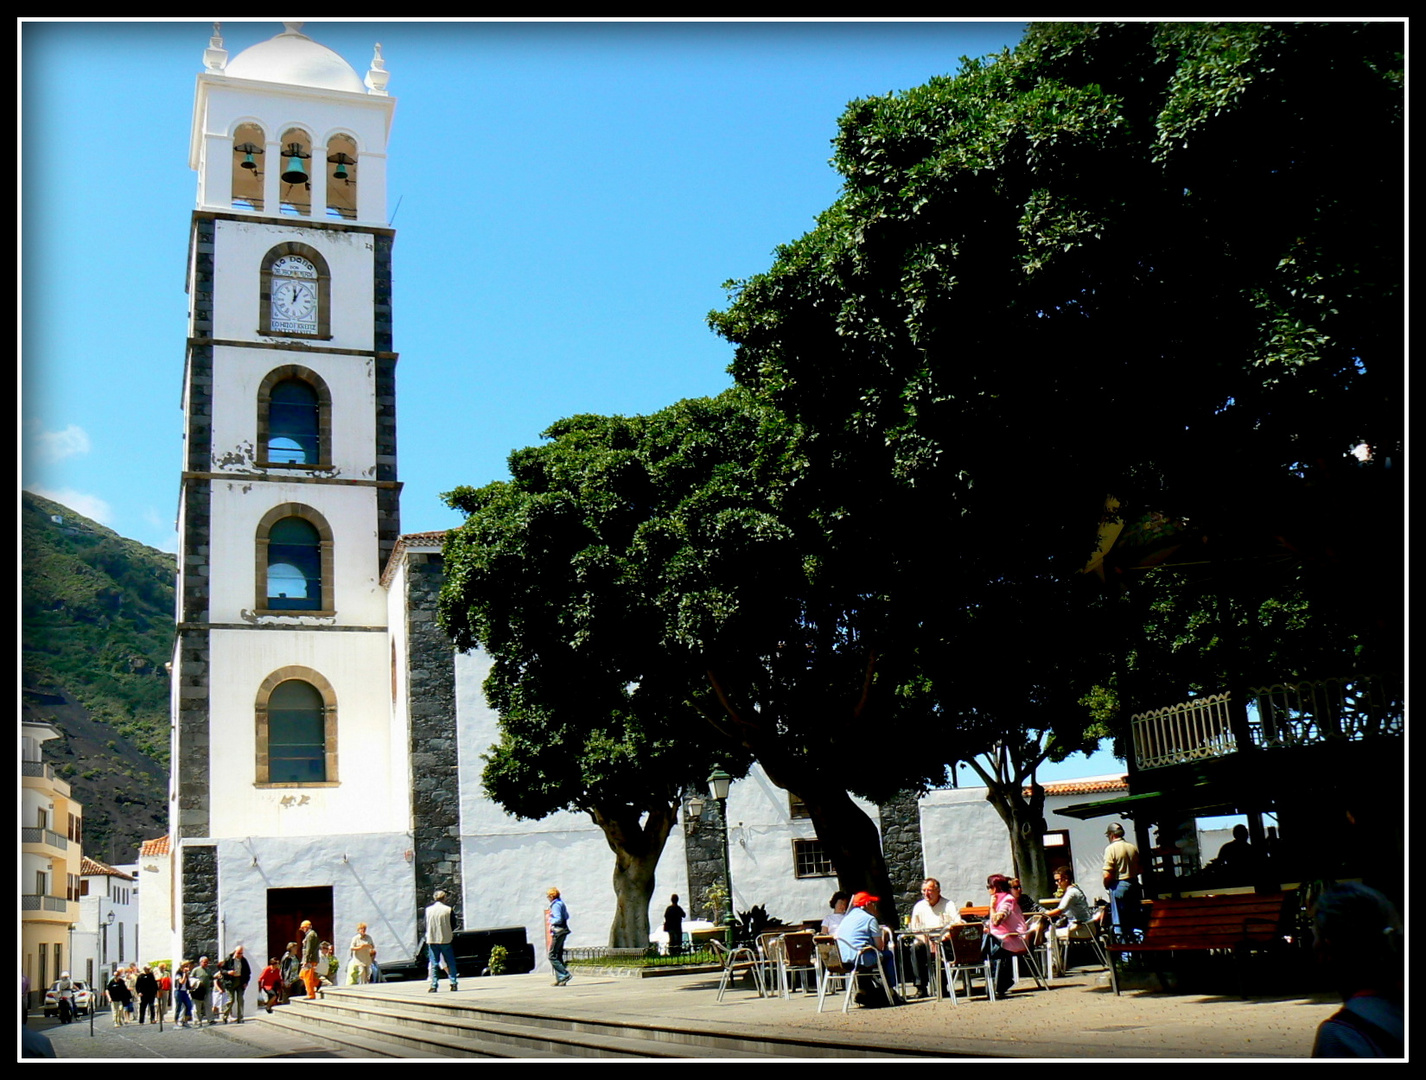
1078	1019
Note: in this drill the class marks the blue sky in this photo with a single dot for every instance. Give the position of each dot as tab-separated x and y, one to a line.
568	200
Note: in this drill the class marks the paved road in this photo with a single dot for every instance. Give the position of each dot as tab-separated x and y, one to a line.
250	1039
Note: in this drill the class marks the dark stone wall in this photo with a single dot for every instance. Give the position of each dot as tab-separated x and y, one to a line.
191	648
200	901
435	753
703	846
901	848
387	498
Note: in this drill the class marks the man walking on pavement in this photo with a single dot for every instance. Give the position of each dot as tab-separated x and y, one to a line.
558	916
1121	879
236	972
438	941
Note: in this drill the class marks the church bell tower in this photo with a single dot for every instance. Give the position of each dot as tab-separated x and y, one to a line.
289	778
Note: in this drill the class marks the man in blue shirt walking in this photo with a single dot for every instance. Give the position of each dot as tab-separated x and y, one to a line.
558	916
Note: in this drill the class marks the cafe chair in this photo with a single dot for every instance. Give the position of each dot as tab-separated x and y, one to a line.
1080	933
961	956
736	962
796	954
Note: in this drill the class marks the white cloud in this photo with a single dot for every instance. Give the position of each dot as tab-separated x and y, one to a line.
55	446
90	506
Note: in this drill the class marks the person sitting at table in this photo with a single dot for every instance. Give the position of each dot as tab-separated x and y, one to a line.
932	912
1070	912
860	928
1005	936
839	910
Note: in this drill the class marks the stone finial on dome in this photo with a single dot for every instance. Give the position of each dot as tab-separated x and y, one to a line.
293	27
215	57
378	76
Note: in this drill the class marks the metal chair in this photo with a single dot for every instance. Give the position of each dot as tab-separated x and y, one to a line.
831	968
795	953
737	961
1065	936
961	955
1028	955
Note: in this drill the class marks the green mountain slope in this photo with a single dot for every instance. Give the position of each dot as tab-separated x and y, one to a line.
97	632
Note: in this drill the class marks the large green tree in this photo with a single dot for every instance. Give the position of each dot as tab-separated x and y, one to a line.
539	577
1158	261
662	569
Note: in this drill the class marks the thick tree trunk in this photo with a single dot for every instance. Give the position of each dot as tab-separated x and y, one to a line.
637	847
847	834
1025	821
850	838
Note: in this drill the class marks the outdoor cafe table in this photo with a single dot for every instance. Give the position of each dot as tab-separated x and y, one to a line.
931	938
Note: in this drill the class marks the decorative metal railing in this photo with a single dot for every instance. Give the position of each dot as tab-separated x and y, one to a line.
42	902
1285	714
36	768
1298	714
1189	731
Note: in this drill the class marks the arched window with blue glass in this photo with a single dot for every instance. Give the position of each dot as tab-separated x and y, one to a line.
294	419
296	735
294	549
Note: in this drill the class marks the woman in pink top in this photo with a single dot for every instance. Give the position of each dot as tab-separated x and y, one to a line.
1005	933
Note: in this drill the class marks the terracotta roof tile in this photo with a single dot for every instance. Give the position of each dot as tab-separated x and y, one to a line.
411	540
89	867
157	846
1090	785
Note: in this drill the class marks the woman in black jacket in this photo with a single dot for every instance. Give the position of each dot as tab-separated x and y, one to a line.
147	987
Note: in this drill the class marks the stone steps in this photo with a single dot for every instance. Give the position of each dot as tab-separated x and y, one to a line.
403	1025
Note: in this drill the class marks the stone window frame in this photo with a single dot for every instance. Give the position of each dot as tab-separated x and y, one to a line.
324	416
324	291
809	857
318	682
324	532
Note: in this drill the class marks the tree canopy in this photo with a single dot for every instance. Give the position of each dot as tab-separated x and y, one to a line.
1151	260
1161	262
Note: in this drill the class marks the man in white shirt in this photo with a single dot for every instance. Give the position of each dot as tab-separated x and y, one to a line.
439	936
932	912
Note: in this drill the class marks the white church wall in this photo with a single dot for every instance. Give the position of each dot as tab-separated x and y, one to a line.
356	665
368	874
237	275
238	507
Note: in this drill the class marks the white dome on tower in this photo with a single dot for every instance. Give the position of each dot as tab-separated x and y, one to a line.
295	59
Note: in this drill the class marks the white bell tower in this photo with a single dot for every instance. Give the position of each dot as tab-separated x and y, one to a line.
289	778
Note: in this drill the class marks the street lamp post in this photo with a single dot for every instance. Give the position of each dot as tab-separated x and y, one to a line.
718	783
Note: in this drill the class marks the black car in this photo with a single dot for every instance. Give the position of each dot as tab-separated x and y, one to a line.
472	949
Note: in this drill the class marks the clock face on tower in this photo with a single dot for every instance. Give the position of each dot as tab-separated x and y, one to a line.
294	296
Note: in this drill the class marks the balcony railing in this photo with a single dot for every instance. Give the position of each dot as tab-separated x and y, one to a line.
43	902
1284	714
34	835
1297	714
37	768
1190	731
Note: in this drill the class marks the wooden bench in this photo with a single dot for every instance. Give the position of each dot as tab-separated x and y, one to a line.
1238	924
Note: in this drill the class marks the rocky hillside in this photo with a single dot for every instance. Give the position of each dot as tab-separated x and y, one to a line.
97	632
